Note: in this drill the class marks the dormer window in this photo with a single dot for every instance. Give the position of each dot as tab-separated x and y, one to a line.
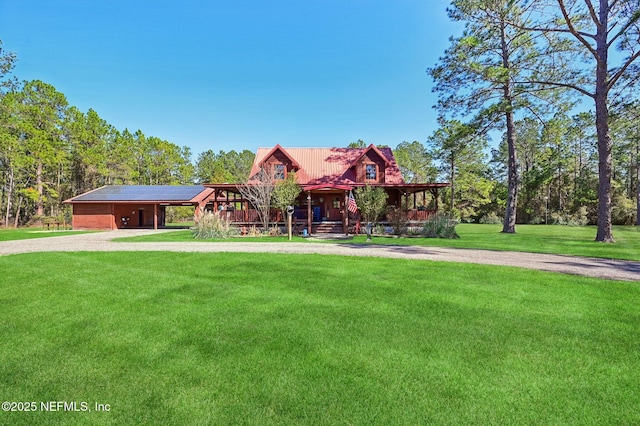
279	172
371	172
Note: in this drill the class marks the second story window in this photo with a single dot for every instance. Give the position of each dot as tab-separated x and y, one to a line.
278	172
371	172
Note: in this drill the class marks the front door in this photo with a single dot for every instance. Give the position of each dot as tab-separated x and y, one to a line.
327	206
334	207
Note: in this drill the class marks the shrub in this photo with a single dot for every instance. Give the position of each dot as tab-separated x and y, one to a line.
212	225
253	232
414	230
398	219
441	226
380	229
36	220
274	231
623	211
491	219
577	219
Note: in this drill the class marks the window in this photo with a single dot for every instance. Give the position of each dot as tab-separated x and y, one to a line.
336	203
371	172
278	172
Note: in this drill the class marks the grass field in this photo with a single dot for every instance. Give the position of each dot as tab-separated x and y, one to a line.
577	241
176	338
27	233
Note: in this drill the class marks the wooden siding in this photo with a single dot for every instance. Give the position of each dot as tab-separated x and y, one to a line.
279	158
92	216
370	158
107	216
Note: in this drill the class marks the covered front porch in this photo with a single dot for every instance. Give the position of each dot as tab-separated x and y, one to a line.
323	208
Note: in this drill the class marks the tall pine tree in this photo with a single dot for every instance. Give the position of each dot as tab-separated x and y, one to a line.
478	76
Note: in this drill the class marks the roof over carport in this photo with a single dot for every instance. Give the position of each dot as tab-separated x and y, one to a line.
165	194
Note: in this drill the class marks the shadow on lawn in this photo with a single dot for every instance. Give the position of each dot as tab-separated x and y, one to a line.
394	248
595	264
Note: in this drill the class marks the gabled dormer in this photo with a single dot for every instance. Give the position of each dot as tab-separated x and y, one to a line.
370	167
279	163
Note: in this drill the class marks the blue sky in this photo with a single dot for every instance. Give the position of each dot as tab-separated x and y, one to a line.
239	74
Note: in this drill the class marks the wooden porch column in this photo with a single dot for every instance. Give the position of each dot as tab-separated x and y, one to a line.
155	216
345	213
309	215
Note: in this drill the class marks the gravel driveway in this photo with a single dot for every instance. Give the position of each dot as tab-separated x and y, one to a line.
101	241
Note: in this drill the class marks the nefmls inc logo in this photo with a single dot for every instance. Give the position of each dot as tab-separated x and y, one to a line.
64	406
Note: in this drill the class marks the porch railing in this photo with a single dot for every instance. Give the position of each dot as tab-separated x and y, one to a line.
417	215
251	215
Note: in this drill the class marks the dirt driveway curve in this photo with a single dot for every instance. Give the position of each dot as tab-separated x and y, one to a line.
102	241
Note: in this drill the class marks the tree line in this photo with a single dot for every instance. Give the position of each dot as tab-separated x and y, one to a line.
51	151
557	169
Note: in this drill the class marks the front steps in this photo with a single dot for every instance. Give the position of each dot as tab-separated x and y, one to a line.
327	228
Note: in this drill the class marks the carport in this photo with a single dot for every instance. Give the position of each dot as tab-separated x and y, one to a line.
134	206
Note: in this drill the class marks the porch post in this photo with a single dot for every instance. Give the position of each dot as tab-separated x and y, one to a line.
345	213
155	216
309	215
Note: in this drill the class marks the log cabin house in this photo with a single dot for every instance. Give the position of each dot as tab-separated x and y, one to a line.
325	175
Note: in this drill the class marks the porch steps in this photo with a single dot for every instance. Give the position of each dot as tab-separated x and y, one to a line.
327	228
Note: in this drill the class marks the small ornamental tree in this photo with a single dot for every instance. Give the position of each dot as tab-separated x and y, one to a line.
285	193
372	203
258	191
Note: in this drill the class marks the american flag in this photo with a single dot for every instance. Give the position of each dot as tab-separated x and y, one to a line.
352	207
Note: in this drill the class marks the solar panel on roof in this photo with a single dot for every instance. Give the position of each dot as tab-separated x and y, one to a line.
142	193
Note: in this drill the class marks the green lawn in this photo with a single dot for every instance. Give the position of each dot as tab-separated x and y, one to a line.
179	338
185	224
27	233
185	236
576	241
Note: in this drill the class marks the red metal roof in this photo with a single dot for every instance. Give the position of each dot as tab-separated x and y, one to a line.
286	154
330	166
